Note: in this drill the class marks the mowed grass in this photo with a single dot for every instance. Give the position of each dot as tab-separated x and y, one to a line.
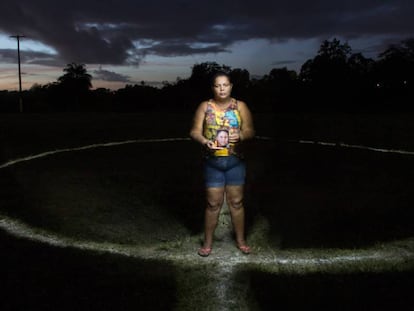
363	291
25	134
146	194
132	194
330	197
36	276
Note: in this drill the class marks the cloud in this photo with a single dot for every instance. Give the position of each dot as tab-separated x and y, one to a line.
30	57
178	48
109	32
283	63
106	75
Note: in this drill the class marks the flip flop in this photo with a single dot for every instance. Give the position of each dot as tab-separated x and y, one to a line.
204	251
245	249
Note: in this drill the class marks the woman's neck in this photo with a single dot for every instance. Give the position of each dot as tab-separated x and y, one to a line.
223	102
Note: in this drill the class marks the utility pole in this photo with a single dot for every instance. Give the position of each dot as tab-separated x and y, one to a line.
20	74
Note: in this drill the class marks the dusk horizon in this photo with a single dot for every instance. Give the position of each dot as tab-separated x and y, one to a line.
159	42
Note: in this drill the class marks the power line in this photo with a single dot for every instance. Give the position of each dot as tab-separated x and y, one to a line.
20	74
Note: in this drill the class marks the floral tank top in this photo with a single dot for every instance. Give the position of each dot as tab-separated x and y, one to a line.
219	124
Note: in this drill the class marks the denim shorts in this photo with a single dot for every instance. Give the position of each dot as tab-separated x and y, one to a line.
224	171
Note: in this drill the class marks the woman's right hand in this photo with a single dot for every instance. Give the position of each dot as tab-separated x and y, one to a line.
211	145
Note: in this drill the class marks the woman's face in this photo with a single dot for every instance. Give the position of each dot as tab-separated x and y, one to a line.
222	87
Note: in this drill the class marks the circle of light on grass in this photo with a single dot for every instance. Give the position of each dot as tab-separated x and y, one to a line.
386	257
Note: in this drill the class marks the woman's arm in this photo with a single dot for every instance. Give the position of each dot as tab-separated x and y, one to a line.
247	128
196	131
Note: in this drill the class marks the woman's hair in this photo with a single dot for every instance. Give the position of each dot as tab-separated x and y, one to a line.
219	74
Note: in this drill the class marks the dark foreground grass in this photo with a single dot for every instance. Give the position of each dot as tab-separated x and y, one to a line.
35	276
362	291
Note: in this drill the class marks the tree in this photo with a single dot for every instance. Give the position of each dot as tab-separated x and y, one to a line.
74	84
278	88
76	77
334	50
361	69
336	78
329	67
202	73
395	67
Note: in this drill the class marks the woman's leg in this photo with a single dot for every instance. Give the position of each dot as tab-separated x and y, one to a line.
234	195
215	198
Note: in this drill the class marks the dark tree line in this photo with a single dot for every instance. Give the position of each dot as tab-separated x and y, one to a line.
334	80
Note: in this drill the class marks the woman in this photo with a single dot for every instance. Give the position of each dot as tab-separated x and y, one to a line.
224	168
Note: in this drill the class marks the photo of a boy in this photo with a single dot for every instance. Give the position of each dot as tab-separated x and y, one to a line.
222	138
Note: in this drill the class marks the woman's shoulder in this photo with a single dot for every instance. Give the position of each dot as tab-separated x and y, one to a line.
203	105
240	104
208	105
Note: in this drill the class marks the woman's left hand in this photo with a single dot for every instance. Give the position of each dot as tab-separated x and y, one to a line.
234	137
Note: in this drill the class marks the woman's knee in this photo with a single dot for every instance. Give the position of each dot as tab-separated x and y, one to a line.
235	202
214	205
215	199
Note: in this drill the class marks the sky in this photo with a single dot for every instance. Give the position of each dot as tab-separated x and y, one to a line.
128	41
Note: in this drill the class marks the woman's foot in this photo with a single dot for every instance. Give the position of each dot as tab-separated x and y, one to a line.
204	251
245	249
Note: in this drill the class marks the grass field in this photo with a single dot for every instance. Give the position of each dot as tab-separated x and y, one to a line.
305	202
